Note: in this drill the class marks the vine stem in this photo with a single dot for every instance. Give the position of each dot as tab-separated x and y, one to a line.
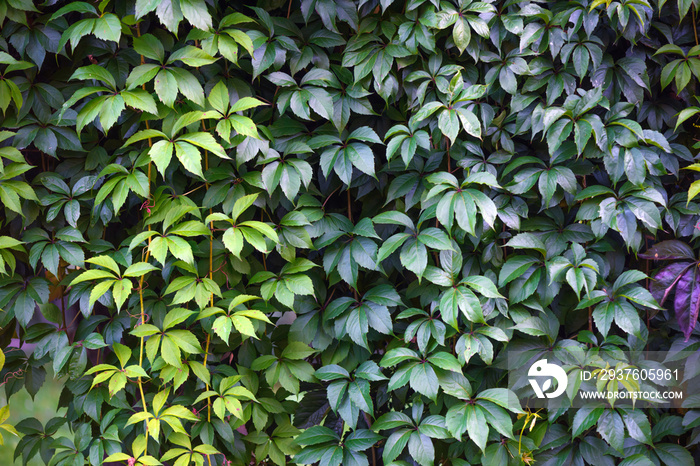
449	169
264	256
354	291
211	275
148	253
63	306
695	28
143	320
369	424
143	314
447	144
646	264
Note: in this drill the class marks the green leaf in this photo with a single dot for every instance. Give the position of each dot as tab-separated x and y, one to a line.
361	440
205	141
166	86
477	430
424	380
448	122
81	7
140	100
332	372
108	27
190	157
502	397
445	361
242	204
106	262
94	72
391	420
316	435
191	56
693	190
527	241
161	153
297	350
414	256
195	11
685	114
397	355
121	290
421	449
637	424
612	429
460	299
461	34
246	103
483	286
395	444
584	419
603	316
170	352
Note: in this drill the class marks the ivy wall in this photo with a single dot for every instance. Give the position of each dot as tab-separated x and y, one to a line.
311	231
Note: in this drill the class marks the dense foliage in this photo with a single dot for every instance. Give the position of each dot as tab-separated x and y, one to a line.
309	231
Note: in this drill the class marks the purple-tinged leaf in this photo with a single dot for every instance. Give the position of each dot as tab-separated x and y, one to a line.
667	250
665	279
687	302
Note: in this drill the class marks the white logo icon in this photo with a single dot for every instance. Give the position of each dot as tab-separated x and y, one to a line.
543	369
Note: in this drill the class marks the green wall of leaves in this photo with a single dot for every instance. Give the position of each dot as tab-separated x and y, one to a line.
308	231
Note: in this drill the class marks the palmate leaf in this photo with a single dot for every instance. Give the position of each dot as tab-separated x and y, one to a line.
219	99
342	161
405	142
460	202
106	27
186	148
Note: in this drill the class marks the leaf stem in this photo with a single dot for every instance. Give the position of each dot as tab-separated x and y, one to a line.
329	196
